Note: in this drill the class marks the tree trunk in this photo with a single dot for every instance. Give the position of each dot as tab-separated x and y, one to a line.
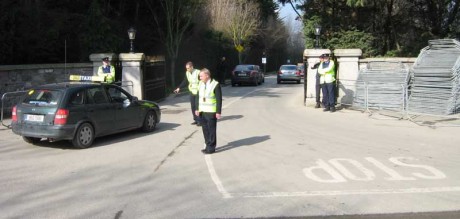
173	72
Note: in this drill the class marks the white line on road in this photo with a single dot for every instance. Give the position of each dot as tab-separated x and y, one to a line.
215	177
349	192
239	98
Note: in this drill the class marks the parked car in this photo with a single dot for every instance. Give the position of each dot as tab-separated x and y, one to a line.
301	69
248	74
80	112
288	73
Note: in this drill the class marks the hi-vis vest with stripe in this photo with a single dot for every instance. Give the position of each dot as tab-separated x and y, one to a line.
327	74
192	78
207	98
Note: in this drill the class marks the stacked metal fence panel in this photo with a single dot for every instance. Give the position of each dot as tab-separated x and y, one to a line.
382	85
434	85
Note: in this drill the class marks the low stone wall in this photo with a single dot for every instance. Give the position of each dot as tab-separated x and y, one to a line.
408	61
19	77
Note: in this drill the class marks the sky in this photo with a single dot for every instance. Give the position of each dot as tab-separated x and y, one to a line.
288	15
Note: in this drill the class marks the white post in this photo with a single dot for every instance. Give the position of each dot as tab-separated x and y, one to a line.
132	73
347	73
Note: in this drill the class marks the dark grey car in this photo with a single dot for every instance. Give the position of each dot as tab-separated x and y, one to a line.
288	73
80	112
247	74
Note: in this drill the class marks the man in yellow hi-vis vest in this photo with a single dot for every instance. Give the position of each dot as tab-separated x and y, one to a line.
191	79
209	101
106	70
326	70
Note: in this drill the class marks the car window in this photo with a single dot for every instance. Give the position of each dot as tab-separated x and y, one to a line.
42	97
117	95
288	67
96	95
244	68
78	98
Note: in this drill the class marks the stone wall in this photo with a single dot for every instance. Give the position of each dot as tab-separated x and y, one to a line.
19	77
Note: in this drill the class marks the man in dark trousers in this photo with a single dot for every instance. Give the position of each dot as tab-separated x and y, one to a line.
209	102
192	80
222	71
327	72
319	83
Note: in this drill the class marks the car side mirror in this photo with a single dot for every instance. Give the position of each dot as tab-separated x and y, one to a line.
135	98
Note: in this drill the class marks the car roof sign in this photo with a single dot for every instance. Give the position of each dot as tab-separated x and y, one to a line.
86	78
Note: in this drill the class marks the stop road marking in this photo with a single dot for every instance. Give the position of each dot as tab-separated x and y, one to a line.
339	170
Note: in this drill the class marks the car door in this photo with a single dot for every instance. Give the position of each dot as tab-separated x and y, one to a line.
100	111
127	111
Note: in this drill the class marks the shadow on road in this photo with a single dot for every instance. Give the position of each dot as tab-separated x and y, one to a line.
243	142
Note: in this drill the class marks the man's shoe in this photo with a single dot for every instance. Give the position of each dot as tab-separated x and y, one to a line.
318	105
204	151
332	109
194	123
326	109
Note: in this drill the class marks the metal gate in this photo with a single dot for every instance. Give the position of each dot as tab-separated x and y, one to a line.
154	78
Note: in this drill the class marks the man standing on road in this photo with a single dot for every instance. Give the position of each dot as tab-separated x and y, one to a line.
319	83
107	71
191	79
209	101
327	72
222	71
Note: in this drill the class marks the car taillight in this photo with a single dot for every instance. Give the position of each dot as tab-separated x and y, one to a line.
253	73
298	73
280	73
61	117
14	116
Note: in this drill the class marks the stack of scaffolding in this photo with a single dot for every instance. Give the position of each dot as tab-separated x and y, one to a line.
382	85
434	87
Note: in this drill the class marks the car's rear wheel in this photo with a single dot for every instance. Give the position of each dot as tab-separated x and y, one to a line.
84	137
31	140
278	82
150	122
298	82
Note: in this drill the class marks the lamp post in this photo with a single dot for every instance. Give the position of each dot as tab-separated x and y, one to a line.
317	33
132	36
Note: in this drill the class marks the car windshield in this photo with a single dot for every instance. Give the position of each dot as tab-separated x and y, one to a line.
42	97
288	67
244	68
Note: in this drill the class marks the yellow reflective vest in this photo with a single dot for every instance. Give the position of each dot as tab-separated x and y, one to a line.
193	80
207	98
327	75
108	77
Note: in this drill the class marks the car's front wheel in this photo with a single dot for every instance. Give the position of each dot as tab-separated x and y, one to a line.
150	122
84	137
31	140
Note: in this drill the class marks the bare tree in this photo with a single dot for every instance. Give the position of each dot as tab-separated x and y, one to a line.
238	20
177	20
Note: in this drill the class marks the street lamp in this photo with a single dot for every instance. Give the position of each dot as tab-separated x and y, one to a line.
317	33
132	36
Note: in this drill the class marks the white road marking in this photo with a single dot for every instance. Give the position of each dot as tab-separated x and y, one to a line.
239	98
215	178
348	192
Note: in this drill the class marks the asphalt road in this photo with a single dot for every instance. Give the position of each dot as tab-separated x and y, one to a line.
275	159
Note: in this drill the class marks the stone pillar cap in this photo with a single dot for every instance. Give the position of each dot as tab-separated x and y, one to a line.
126	57
315	52
348	52
97	57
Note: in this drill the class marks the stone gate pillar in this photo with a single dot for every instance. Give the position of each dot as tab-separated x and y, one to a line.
310	57
96	58
132	75
347	74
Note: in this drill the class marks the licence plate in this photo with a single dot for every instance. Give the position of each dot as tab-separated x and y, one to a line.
242	74
34	118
